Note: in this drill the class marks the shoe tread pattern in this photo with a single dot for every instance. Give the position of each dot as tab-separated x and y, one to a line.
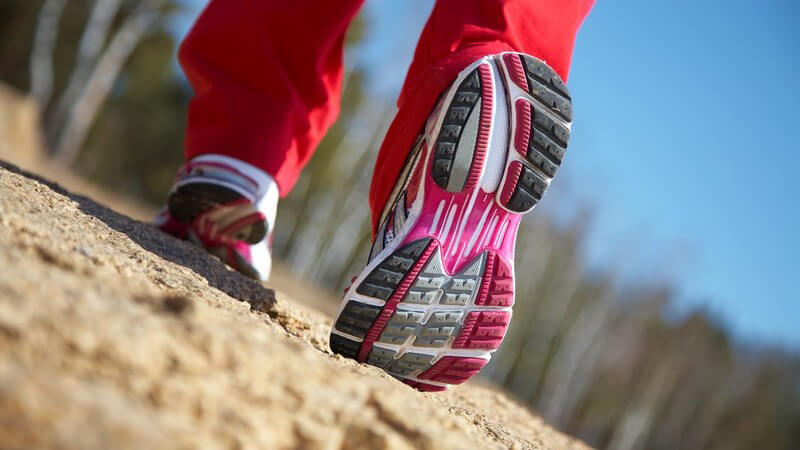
458	111
383	279
541	137
545	85
192	199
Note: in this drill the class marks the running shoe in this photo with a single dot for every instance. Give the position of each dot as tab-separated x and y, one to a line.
226	206
436	296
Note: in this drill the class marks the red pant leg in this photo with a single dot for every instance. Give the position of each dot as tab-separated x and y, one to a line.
457	33
267	77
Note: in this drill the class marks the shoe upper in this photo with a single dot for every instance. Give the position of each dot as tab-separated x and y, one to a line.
226	206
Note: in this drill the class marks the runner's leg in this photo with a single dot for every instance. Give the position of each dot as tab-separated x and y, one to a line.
457	33
267	76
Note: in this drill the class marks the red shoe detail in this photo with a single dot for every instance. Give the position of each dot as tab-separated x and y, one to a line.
483	330
497	285
523	133
454	369
483	292
515	70
243	222
391	305
203	231
171	225
352	280
190	166
423	386
512	178
484	127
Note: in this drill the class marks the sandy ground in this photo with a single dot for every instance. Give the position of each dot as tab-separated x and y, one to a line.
114	335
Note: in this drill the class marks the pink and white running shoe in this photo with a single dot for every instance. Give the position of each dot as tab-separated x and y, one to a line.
226	206
434	300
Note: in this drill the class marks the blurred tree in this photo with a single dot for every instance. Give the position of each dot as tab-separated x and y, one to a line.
91	81
112	101
137	144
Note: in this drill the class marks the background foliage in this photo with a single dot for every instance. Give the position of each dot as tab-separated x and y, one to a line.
598	358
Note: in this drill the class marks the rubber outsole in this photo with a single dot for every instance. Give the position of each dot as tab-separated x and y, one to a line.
431	308
455	119
541	129
190	200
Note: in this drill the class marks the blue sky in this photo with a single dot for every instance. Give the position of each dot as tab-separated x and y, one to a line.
688	113
684	140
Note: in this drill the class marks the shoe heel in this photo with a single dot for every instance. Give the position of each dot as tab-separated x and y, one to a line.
463	140
541	116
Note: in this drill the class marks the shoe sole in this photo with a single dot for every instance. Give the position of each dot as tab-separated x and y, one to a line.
432	306
190	200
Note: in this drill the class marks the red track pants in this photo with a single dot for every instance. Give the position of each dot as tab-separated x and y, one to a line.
267	74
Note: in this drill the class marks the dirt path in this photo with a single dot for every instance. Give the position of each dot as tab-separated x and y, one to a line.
114	335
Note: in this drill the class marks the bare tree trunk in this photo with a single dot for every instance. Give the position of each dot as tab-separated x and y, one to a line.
347	268
94	38
300	220
44	43
633	428
573	364
729	393
337	223
530	369
341	222
544	339
84	111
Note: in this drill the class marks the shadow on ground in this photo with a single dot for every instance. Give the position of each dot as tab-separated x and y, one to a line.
174	250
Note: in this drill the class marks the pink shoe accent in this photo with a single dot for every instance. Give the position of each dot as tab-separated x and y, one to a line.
497	285
515	70
523	132
454	369
391	305
484	330
484	127
468	224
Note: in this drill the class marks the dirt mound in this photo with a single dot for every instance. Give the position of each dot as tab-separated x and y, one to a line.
114	335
